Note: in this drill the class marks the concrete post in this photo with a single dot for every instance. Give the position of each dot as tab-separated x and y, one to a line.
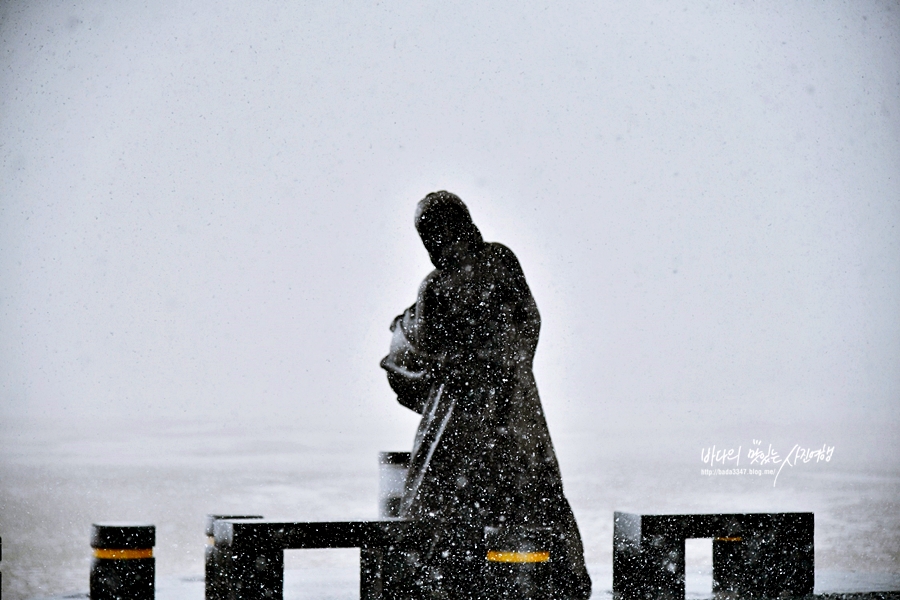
218	560
123	567
392	468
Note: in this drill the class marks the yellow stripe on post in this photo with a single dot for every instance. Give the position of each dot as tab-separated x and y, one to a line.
123	554
728	539
517	557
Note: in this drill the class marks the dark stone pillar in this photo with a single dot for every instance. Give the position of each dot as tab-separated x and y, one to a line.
392	469
123	567
728	565
779	559
217	581
754	555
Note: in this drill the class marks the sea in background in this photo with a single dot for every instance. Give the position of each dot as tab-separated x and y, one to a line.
206	227
57	478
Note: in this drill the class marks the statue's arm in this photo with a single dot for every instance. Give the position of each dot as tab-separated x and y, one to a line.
526	316
428	328
531	320
409	369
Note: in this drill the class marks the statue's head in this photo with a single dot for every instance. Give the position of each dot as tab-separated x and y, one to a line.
446	228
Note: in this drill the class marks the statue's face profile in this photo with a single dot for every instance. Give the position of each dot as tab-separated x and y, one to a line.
445	246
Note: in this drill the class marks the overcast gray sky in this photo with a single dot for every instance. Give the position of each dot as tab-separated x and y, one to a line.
206	207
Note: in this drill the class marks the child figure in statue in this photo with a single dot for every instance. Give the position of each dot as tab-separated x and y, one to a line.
461	356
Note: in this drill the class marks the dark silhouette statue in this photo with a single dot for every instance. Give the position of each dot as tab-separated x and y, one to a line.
461	356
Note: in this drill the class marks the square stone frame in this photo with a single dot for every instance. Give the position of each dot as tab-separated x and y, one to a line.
763	555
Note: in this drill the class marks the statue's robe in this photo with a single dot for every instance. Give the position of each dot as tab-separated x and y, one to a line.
461	356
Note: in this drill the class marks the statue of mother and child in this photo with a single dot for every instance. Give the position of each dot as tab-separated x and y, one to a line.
461	356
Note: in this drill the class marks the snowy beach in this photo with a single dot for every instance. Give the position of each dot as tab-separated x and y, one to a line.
207	228
56	483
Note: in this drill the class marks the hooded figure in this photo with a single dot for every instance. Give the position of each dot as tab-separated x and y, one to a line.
461	356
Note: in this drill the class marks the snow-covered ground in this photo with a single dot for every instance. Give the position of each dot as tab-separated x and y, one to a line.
55	483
